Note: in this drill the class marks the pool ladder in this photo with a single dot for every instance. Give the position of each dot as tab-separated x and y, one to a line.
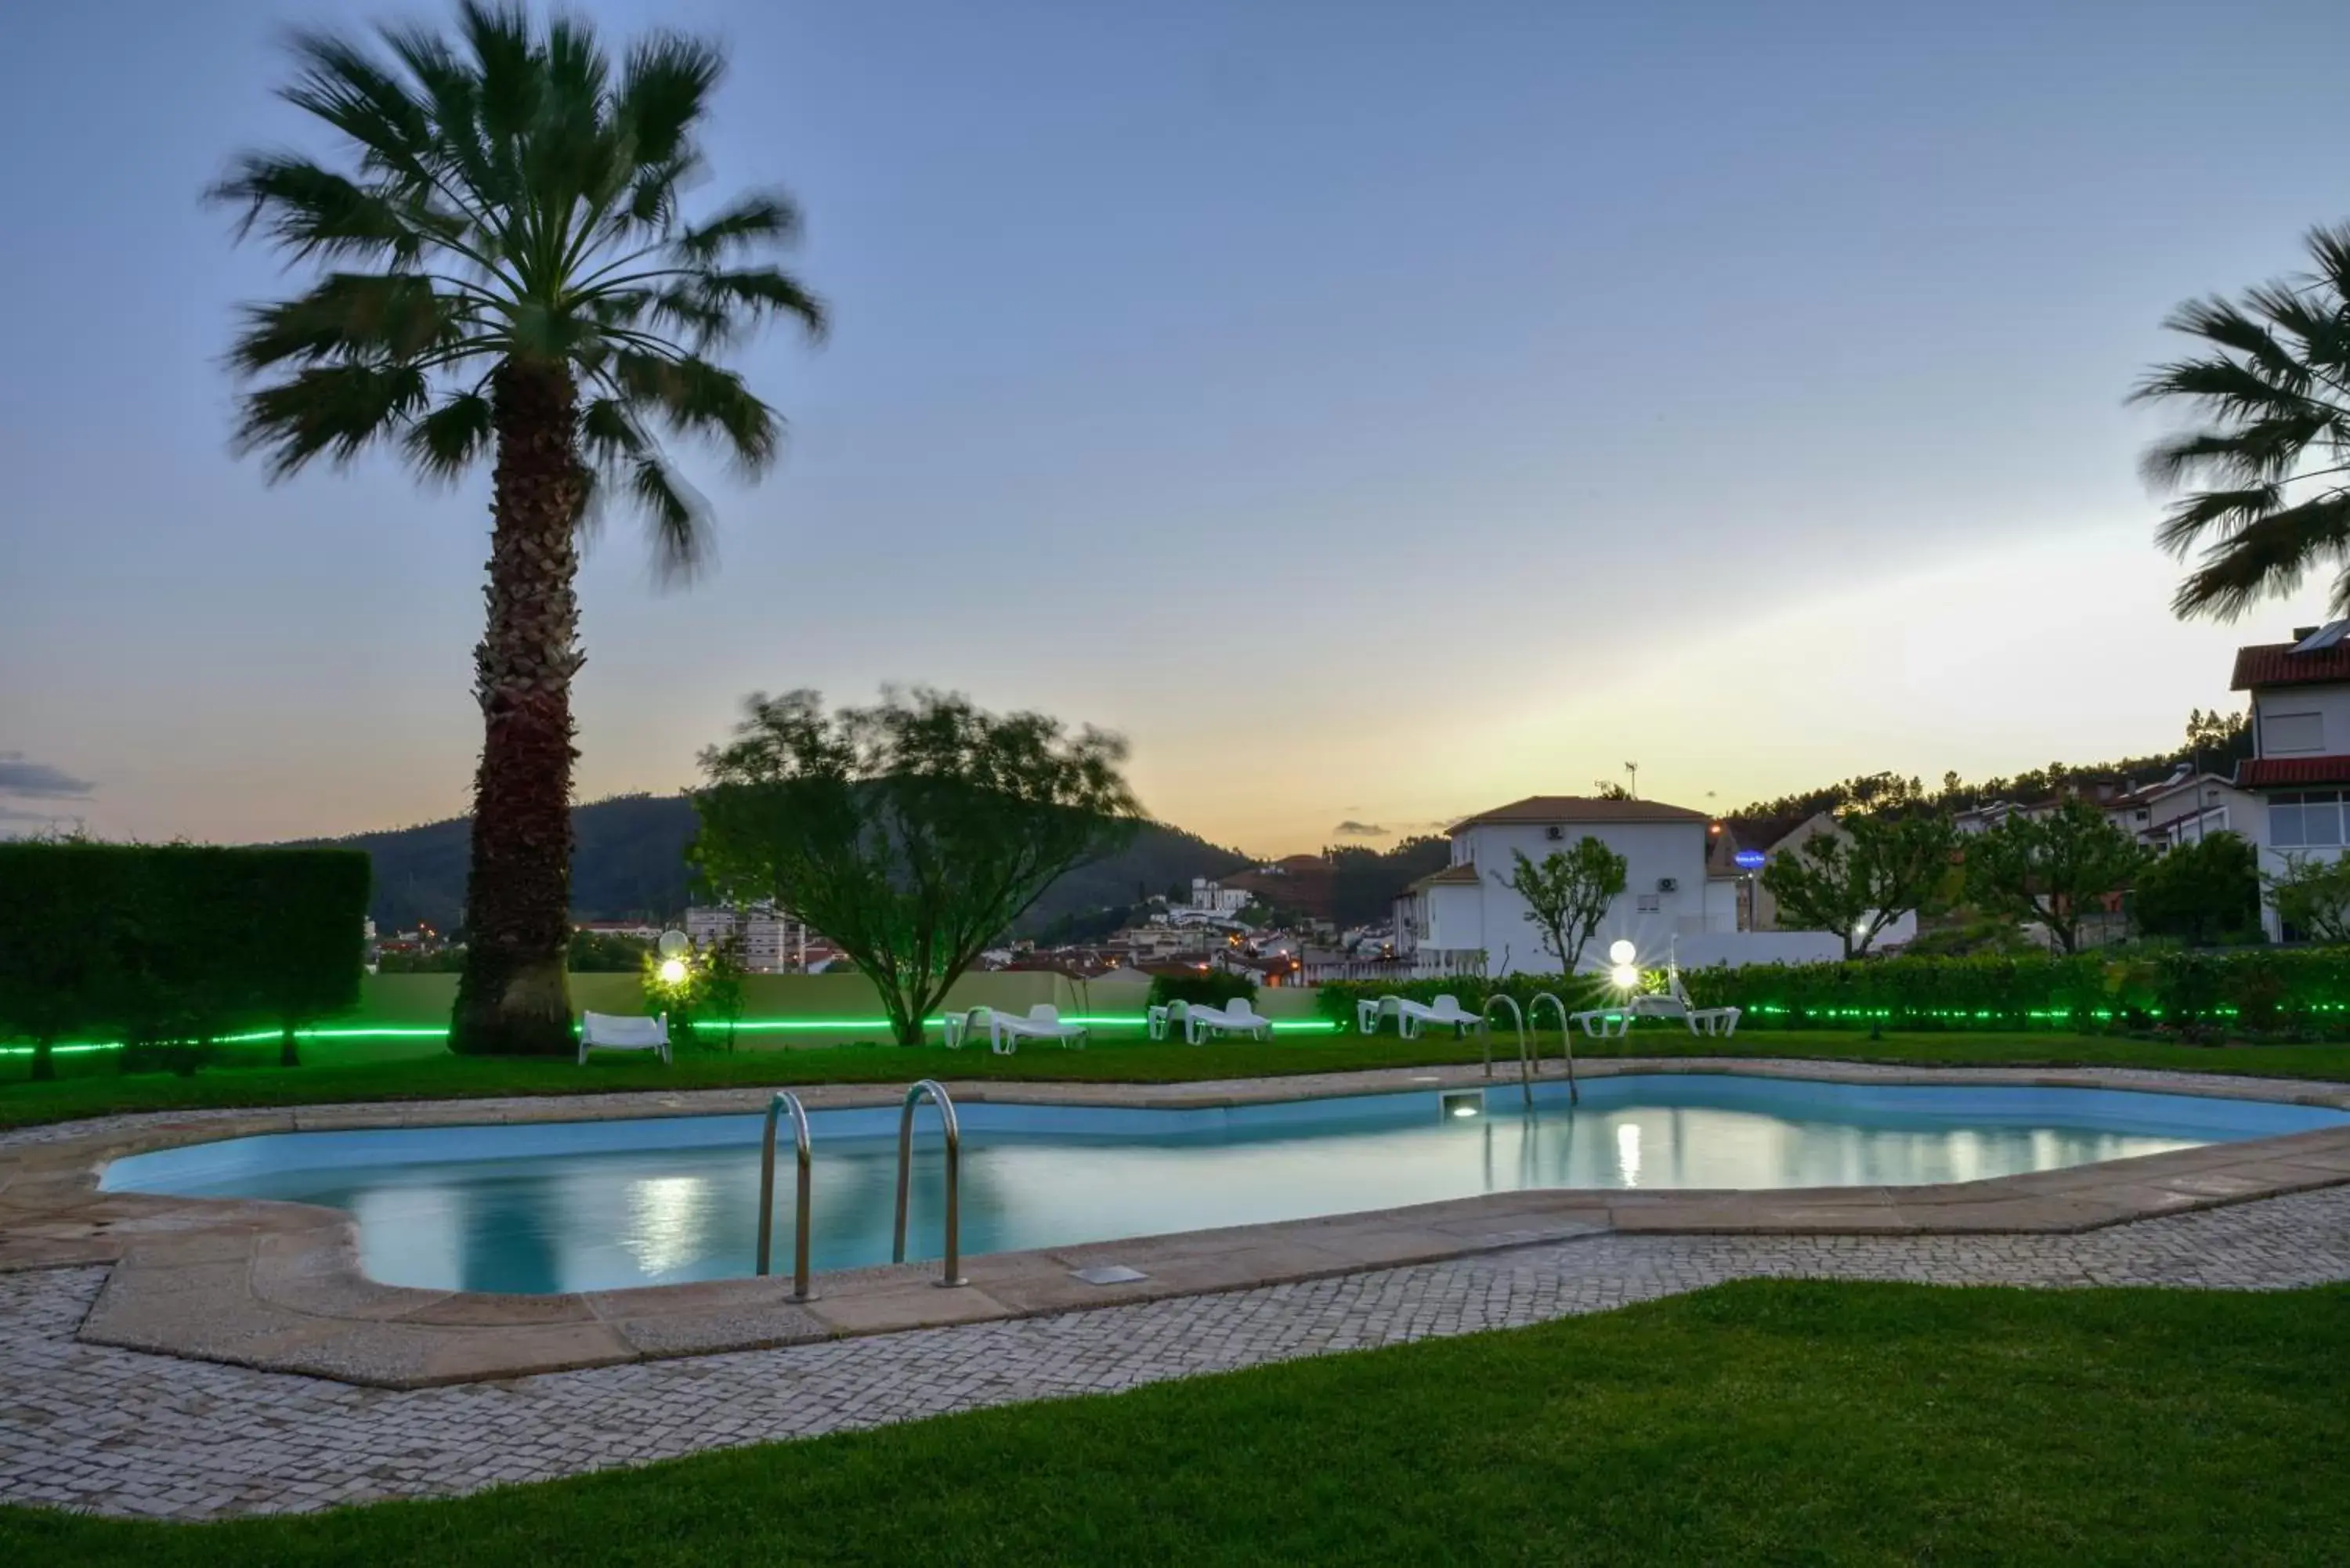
952	1274
785	1100
1530	1056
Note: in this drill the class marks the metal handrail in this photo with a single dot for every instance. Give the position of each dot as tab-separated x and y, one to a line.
784	1100
953	1274
1565	1041
1485	1032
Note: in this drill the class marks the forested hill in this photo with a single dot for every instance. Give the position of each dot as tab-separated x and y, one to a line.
630	864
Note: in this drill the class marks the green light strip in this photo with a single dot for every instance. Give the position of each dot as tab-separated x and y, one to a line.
747	1026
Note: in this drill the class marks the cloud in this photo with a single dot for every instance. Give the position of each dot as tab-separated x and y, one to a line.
39	781
1350	828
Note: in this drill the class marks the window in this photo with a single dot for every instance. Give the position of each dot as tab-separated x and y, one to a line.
2288	732
1650	903
2305	821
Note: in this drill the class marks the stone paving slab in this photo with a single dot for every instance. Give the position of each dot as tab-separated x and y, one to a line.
120	1432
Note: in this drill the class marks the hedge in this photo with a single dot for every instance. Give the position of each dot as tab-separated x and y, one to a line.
170	943
1212	988
2261	988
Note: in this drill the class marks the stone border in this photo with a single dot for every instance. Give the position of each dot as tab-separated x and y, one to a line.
278	1286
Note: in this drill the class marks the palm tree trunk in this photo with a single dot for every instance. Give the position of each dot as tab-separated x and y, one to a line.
512	998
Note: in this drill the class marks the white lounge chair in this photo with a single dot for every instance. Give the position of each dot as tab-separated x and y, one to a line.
1607	1023
1159	1018
1234	1017
618	1032
958	1027
1411	1017
1369	1014
1674	1002
1006	1029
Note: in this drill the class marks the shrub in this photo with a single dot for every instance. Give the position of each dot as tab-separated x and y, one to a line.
1211	989
177	942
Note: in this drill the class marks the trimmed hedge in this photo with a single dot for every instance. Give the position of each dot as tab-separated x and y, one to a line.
169	943
1212	989
2299	989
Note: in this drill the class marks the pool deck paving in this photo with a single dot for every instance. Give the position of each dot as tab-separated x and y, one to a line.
200	1357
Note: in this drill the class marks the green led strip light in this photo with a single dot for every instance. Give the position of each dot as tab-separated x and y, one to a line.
747	1026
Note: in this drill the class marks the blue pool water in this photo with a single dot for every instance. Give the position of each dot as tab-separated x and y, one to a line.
574	1205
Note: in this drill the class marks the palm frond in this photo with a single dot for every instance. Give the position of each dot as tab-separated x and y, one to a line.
332	410
2268	555
445	442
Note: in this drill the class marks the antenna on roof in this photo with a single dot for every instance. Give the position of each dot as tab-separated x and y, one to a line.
2324	638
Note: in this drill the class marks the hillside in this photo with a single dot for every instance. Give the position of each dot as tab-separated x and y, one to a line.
630	864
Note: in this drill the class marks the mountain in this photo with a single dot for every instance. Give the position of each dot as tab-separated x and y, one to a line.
630	864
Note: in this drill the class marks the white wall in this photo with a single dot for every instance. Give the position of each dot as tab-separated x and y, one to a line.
1652	851
2330	703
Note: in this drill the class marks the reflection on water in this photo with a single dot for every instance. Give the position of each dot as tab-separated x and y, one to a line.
604	1220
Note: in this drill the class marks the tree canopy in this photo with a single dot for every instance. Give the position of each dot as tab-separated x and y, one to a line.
2050	868
1567	893
1859	880
2261	471
911	832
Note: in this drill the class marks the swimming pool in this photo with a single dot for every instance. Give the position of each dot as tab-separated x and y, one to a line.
576	1206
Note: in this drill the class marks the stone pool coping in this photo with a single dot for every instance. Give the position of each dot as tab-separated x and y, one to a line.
278	1286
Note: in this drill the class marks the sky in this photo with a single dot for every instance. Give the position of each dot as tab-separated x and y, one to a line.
1376	411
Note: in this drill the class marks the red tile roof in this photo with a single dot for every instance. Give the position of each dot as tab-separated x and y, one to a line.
1450	875
1574	808
2283	772
2276	664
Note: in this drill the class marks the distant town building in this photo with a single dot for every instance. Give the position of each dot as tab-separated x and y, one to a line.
1212	896
774	941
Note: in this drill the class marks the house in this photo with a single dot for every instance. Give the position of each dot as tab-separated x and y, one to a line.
2300	764
774	941
2185	808
1466	917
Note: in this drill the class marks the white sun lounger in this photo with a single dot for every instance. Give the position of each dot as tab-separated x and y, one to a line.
1411	1017
1006	1029
1235	1017
1675	1003
1158	1020
1607	1023
957	1027
1369	1014
618	1032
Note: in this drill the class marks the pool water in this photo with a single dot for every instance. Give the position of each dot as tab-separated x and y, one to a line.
580	1206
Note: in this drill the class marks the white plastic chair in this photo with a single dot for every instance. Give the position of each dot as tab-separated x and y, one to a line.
1235	1017
1607	1023
1005	1029
618	1032
957	1027
1411	1017
1158	1020
1369	1014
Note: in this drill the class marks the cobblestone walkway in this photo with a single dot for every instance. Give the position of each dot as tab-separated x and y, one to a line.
120	1432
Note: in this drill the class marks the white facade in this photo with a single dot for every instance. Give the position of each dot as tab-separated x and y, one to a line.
773	942
1216	898
1467	916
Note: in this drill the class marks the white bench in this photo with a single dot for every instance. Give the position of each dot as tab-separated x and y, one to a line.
1006	1029
618	1032
1235	1017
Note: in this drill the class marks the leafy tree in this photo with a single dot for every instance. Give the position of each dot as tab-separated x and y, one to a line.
720	971
2204	892
2312	896
911	832
2261	475
1860	880
2217	737
2048	868
1568	894
508	274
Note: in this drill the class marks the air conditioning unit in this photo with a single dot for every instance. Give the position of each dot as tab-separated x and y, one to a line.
1554	833
1669	884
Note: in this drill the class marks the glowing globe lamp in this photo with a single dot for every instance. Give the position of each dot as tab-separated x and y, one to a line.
673	972
1621	952
1626	976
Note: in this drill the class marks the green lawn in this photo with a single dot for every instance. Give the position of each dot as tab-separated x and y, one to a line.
343	1072
1783	1422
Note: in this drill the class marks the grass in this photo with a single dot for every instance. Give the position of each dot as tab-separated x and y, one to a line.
338	1073
1779	1422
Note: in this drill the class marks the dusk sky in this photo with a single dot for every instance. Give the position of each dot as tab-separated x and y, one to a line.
1376	411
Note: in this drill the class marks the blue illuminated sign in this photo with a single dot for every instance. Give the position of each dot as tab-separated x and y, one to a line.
1749	859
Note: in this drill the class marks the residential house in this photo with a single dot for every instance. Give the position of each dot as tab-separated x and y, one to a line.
2300	764
1466	917
774	941
1899	932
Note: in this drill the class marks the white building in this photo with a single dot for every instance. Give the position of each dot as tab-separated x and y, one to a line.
1215	898
2292	785
773	942
1467	916
2185	808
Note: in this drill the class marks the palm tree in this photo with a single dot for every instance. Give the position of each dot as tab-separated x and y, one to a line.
507	273
2262	477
